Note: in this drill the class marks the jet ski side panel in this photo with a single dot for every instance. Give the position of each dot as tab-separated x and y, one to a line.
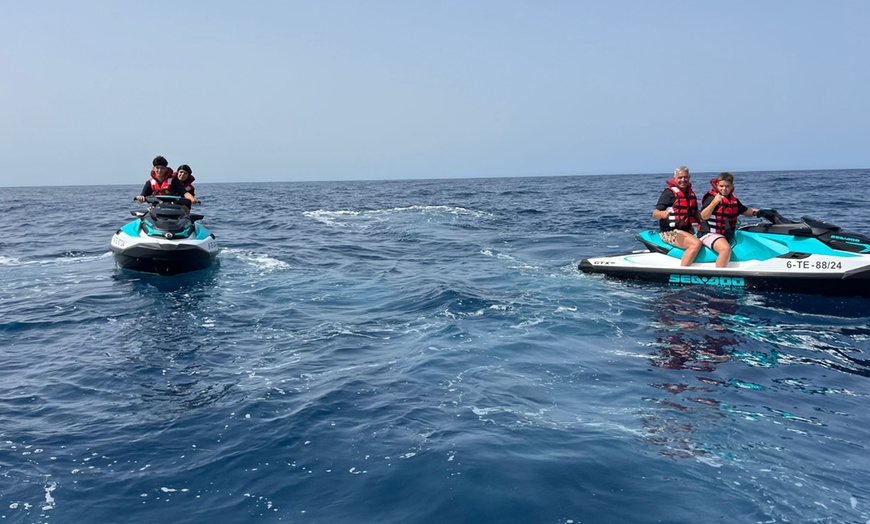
810	274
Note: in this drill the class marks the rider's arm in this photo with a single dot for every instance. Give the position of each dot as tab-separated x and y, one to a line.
666	200
145	192
708	210
745	210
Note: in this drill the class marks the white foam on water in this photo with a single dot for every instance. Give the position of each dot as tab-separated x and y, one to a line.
330	218
260	261
339	218
60	260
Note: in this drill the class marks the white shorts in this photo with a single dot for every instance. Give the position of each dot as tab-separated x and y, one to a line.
710	238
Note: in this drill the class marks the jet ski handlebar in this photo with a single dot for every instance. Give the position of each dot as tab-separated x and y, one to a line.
165	199
773	216
806	225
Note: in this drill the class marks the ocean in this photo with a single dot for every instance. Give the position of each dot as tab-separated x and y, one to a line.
422	351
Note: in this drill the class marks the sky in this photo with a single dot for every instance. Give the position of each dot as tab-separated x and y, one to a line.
286	90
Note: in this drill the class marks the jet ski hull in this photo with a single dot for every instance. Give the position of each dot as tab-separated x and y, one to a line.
812	275
162	259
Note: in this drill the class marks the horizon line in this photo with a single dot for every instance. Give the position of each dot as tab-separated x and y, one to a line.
482	177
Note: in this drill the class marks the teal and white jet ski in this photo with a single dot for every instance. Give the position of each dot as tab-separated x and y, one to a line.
165	239
778	254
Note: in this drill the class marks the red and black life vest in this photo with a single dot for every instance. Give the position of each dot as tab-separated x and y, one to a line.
724	218
684	212
188	186
162	189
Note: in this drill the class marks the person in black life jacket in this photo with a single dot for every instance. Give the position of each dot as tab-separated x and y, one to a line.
719	212
677	212
184	174
162	182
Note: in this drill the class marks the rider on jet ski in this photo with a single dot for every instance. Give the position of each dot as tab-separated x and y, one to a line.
719	211
676	211
184	174
163	183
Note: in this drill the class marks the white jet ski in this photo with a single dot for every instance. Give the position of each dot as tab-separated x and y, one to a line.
165	239
808	256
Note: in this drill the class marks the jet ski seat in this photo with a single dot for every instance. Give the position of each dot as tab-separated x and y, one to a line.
744	247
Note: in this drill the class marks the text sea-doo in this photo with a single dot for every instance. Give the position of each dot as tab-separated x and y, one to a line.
164	240
809	256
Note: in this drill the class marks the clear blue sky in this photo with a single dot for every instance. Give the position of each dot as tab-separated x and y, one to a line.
283	90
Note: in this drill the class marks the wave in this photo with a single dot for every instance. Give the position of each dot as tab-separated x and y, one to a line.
335	217
48	260
261	262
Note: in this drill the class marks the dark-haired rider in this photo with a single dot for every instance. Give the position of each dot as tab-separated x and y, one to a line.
163	183
184	174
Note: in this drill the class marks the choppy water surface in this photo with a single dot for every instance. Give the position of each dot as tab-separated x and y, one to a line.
421	351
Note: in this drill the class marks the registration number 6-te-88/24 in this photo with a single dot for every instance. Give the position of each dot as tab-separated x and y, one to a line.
818	264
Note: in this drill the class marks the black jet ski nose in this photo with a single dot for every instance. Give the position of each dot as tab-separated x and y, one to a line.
167	220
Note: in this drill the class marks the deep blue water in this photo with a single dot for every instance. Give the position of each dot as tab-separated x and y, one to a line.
421	351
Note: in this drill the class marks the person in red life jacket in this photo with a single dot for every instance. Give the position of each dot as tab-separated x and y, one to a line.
677	211
719	212
162	182
185	175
